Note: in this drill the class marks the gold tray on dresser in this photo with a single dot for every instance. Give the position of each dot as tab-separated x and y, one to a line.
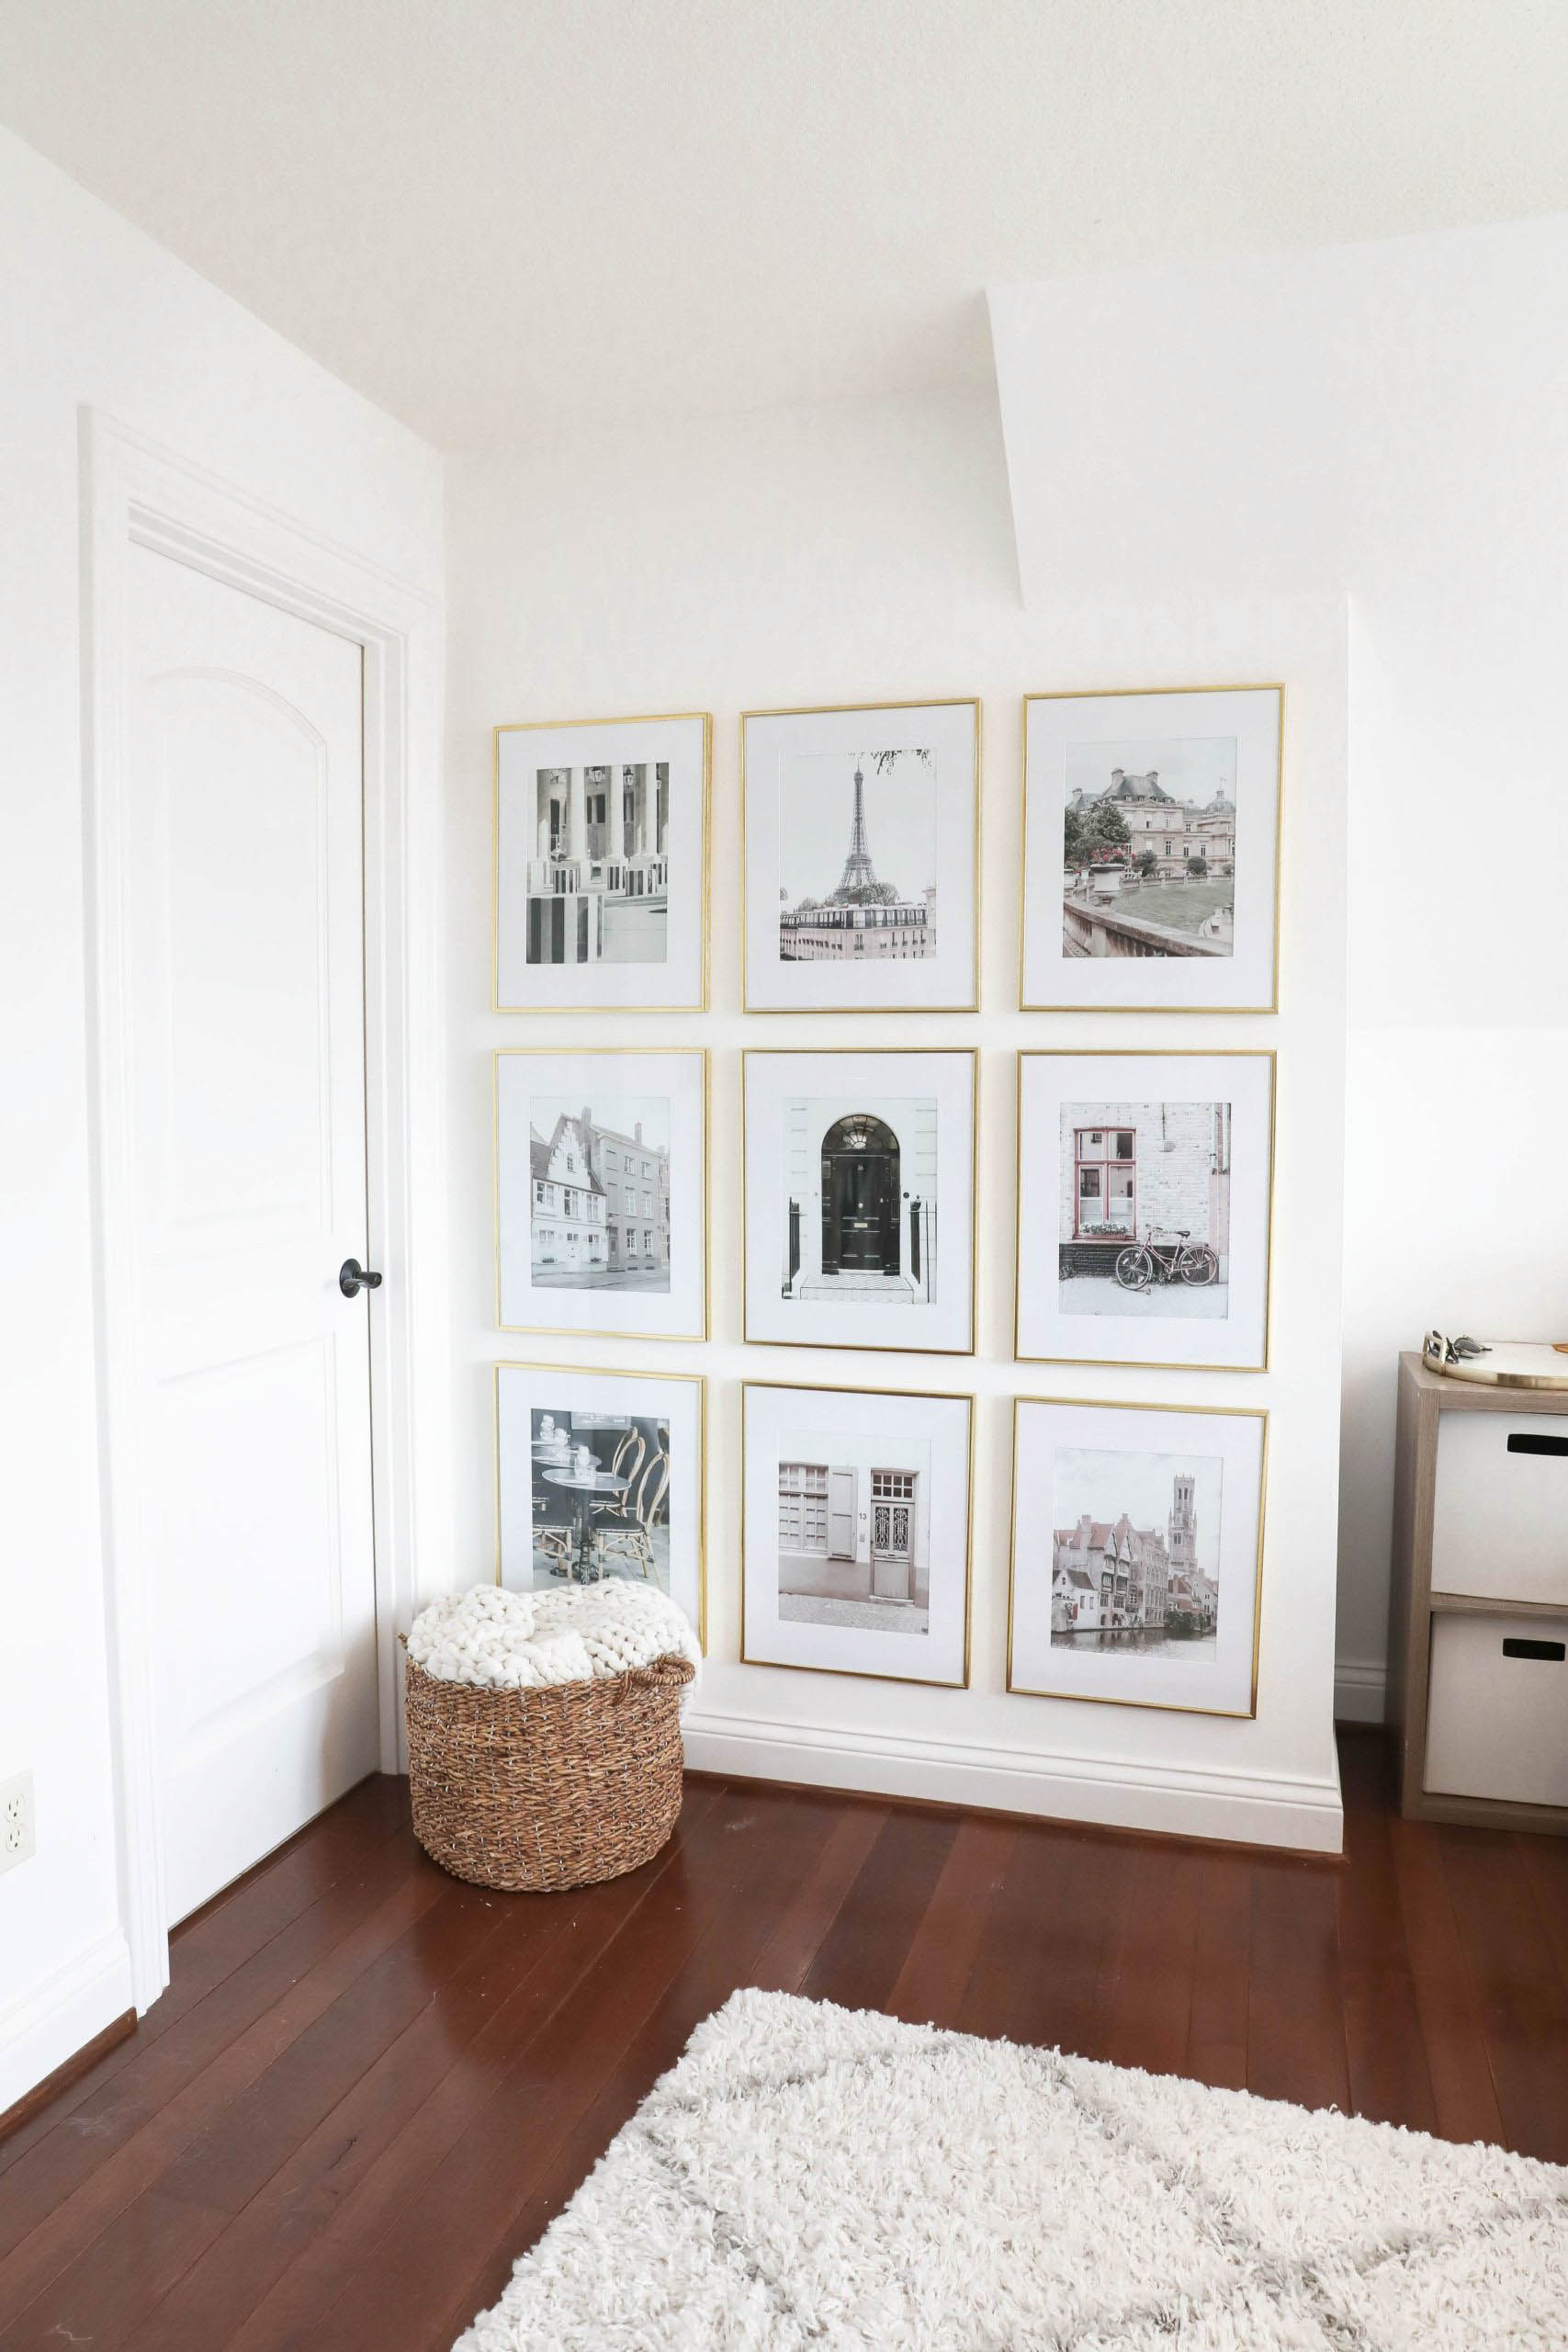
1501	1363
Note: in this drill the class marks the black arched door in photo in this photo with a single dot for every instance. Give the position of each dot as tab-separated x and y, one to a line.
860	1198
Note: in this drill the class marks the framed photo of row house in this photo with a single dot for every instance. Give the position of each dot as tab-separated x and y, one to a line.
860	1199
856	1532
1145	1188
1151	848
862	857
601	1171
601	863
1137	1553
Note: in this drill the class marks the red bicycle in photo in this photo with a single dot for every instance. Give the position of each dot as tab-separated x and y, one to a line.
1176	1258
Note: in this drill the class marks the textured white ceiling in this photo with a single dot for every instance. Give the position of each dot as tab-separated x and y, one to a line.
501	218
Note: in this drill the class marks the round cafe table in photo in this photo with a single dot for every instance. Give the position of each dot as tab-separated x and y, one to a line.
583	1487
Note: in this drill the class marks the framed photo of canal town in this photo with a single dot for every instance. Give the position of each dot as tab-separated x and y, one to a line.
600	865
856	1532
860	1199
1151	851
601	1474
861	858
1138	1551
601	1178
1144	1185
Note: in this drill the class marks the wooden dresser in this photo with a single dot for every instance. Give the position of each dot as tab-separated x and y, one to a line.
1478	1617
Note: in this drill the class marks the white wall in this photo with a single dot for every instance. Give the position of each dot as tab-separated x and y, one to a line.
862	551
95	313
1388	419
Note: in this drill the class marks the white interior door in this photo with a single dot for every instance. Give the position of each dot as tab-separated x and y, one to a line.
246	955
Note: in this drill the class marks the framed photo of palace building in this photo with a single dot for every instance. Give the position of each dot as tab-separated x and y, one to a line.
600	865
1151	850
602	1475
1145	1187
860	1216
601	1174
1137	1555
856	1532
860	827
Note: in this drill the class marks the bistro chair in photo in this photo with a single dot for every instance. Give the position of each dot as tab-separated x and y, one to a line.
629	1455
555	1532
626	1531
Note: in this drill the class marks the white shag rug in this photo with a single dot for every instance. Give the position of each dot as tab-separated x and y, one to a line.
813	2176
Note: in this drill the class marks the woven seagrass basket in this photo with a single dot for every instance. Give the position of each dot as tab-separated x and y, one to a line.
536	1790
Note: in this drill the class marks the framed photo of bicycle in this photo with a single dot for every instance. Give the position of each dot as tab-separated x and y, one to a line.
1144	1195
1137	1555
1151	850
601	1473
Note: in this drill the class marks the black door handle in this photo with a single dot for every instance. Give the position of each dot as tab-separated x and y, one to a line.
352	1278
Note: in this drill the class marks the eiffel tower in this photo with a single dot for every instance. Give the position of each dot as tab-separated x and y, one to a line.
859	872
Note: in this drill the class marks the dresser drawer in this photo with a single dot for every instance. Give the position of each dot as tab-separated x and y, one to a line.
1497	1709
1500	1516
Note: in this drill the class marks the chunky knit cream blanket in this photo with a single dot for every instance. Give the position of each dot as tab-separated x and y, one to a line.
502	1640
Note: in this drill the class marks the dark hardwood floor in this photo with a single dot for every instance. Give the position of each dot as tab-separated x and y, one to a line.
370	2088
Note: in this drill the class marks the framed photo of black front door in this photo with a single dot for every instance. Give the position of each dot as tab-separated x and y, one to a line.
860	1199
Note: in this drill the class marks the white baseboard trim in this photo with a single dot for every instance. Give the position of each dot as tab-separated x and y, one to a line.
1175	1799
49	2023
1359	1690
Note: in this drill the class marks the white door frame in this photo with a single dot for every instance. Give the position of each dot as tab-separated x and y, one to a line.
136	494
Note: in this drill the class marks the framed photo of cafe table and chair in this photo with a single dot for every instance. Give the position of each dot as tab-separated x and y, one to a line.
601	1473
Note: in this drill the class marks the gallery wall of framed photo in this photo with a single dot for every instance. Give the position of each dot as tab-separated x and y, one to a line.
976	1278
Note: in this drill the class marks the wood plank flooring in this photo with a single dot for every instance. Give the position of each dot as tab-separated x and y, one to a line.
368	2087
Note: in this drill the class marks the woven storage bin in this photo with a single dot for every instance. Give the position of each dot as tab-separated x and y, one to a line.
540	1788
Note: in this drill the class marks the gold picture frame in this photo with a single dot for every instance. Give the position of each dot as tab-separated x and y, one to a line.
1266	1054
1132	694
1258	1413
833	1388
832	1053
616	1372
700	1002
610	1053
842	709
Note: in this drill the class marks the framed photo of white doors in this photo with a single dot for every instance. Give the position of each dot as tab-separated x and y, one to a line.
860	1199
862	857
601	863
1137	1555
1145	1186
601	1176
856	1531
1151	850
601	1473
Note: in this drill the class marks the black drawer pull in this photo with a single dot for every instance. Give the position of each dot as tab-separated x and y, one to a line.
1554	1653
1529	1441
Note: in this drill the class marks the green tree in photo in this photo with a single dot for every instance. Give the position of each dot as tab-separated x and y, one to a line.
1094	831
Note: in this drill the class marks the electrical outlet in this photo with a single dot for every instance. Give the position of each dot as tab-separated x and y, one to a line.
15	1820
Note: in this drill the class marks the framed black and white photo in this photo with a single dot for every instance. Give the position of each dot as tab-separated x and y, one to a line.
600	865
1151	850
862	857
856	1532
1144	1183
860	1199
601	1192
601	1473
1137	1553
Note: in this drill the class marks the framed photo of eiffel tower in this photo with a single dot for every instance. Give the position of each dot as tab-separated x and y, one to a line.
862	857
